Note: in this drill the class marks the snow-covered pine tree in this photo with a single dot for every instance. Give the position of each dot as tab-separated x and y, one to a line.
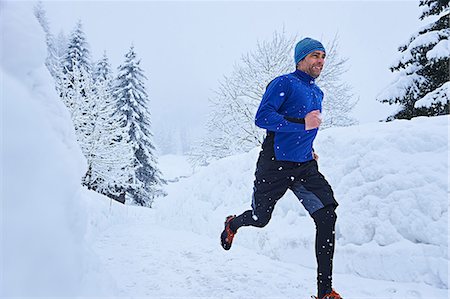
76	70
90	102
78	50
422	84
77	86
108	155
145	182
78	93
102	70
231	128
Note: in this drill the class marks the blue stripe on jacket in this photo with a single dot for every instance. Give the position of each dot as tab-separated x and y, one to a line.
292	95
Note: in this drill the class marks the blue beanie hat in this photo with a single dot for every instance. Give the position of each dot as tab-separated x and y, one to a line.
306	46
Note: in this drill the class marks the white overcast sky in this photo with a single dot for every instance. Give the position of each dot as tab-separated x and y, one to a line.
187	46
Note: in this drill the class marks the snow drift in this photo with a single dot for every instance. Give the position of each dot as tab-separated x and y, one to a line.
389	178
44	252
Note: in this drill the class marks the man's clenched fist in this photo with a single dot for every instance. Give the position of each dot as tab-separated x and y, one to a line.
313	120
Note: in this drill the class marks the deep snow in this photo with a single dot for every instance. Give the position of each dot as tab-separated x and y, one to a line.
151	261
44	220
59	239
389	178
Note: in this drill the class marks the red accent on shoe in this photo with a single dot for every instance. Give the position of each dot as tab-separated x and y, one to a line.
230	233
227	235
332	295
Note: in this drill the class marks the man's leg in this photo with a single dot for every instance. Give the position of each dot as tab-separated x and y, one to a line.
317	197
325	220
273	178
266	193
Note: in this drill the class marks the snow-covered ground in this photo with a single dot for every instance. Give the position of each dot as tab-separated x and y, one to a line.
60	240
390	180
151	261
175	167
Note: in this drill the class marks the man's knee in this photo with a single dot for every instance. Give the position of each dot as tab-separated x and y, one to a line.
261	219
262	208
325	216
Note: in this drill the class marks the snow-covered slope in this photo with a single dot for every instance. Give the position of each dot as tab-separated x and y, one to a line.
389	178
60	240
43	247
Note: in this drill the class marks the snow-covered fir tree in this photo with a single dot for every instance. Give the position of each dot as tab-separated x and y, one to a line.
422	84
78	92
108	154
102	70
76	70
231	128
78	50
77	86
117	144
145	182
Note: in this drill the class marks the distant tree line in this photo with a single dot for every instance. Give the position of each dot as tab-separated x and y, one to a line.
110	116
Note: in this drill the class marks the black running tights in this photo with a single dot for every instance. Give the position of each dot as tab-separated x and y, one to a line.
325	220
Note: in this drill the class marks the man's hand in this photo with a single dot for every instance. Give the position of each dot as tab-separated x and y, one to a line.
313	120
315	156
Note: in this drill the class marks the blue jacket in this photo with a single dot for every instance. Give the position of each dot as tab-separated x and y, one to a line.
290	96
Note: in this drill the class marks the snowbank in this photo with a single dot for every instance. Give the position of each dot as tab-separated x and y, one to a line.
44	252
174	167
389	178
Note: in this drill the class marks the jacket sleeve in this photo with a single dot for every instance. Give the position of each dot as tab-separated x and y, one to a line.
267	116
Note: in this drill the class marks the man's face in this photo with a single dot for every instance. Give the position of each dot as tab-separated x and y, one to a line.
313	63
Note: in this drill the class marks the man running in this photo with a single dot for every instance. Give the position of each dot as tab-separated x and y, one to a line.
290	111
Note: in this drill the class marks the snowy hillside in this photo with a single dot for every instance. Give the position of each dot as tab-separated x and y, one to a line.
389	178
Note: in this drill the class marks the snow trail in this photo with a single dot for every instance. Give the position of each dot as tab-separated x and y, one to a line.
150	261
168	263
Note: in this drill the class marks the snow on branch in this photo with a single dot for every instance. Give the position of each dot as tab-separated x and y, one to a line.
437	96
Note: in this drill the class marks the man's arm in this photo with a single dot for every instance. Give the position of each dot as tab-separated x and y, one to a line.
267	116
